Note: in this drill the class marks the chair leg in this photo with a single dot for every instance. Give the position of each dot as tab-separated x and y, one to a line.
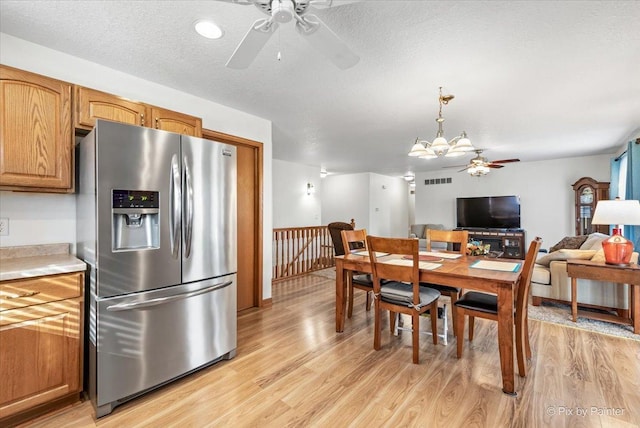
369	299
520	345
392	321
415	323
527	345
459	330
350	308
434	321
376	326
471	327
454	297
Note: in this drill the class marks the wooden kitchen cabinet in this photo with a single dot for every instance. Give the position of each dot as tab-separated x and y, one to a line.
36	136
172	121
91	105
41	345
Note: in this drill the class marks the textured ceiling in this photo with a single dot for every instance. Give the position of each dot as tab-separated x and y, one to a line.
533	80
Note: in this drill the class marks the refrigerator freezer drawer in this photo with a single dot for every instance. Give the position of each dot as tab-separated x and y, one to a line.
149	338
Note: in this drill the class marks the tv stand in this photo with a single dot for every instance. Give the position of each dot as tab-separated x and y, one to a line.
509	242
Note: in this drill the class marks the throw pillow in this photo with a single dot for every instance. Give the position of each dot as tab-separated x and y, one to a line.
598	256
569	242
566	254
594	241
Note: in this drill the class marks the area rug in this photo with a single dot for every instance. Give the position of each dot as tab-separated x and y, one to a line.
558	313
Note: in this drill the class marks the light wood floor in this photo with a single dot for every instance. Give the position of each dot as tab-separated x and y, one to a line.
293	369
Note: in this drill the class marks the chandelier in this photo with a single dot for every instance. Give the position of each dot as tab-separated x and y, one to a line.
458	146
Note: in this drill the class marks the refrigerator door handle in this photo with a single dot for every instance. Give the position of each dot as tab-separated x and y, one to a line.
162	300
175	201
188	232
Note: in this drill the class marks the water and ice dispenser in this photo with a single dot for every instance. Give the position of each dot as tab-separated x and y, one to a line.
136	221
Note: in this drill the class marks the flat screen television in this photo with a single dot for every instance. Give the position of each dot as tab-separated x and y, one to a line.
494	212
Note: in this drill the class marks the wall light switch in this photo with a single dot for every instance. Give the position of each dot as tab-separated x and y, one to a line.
4	226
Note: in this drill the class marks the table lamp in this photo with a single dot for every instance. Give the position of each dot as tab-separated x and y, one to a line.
617	249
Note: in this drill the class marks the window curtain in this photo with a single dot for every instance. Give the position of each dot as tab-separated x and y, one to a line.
632	233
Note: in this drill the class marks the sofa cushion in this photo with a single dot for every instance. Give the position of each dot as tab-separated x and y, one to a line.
417	230
569	242
566	255
541	275
594	241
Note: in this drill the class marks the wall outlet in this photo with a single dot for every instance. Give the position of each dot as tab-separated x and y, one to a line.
4	226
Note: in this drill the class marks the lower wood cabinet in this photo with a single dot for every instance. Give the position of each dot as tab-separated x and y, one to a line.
41	349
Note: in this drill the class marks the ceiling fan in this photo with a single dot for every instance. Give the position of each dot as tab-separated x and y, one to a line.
309	26
480	165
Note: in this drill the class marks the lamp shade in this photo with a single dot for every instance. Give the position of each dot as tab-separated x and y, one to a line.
418	149
617	212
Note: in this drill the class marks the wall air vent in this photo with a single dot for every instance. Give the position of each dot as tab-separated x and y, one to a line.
430	181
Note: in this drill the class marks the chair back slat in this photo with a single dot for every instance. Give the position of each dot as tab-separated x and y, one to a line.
354	240
381	270
460	237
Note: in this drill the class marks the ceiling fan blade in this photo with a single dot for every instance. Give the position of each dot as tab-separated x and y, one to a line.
252	43
455	166
326	41
464	169
505	161
324	4
492	165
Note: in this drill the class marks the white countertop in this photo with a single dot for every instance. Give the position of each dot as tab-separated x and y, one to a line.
39	265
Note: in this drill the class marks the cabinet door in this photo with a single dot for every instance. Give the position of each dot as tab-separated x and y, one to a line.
36	138
41	354
179	123
92	105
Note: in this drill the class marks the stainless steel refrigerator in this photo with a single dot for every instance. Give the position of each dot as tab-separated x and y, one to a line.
156	216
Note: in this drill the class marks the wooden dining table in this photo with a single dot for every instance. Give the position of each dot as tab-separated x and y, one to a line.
456	273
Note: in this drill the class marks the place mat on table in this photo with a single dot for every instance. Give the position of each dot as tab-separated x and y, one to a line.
440	254
423	265
500	266
424	258
366	253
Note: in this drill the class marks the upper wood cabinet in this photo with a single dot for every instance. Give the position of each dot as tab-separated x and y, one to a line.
36	136
172	121
92	105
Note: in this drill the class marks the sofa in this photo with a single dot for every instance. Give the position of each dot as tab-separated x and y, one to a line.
551	282
420	231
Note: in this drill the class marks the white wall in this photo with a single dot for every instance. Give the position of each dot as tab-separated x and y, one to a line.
378	203
292	206
546	195
37	218
389	208
346	197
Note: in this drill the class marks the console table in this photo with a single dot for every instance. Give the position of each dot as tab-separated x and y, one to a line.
601	271
510	242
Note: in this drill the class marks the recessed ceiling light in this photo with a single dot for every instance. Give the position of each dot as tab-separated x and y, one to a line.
208	29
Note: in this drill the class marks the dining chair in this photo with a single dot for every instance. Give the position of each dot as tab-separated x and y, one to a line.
357	240
401	291
485	305
335	229
457	238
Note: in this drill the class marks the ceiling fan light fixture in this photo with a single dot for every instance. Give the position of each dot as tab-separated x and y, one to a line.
282	10
208	29
478	170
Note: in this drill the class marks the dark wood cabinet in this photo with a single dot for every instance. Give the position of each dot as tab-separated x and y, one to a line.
587	194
